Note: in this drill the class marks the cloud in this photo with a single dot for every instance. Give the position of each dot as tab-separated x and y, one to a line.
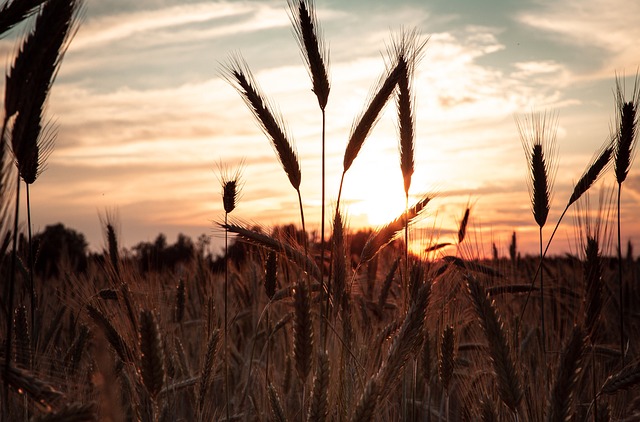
611	26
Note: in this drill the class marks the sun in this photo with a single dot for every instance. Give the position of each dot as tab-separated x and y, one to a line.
375	197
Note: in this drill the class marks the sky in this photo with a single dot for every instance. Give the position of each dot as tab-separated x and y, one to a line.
146	120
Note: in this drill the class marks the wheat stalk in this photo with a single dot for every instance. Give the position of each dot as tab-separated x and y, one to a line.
207	369
625	143
314	52
113	337
276	406
279	246
319	406
626	378
406	342
538	137
151	353
509	385
365	409
388	233
562	393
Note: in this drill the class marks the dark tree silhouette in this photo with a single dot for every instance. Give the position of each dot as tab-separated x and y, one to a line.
158	256
59	248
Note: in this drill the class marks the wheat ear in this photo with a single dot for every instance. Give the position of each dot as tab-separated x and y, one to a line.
367	403
625	143
113	337
207	368
561	398
14	12
314	52
509	385
319	407
276	406
279	246
407	341
388	233
151	353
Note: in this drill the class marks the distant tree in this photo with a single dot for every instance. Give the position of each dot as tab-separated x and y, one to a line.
159	256
58	248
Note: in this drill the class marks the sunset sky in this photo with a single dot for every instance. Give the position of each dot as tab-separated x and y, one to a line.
145	117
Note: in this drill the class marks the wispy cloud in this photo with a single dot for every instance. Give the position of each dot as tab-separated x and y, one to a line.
610	26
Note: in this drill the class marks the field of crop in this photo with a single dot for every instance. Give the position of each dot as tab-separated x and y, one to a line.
344	327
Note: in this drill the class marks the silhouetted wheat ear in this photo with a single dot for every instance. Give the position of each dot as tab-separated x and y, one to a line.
626	135
29	82
447	357
239	75
12	13
369	117
23	339
513	248
562	393
406	343
112	241
538	136
41	391
207	368
231	182
408	49
271	274
180	299
593	284
388	233
367	403
386	285
276	405
292	252
151	353
315	53
113	337
462	229
319	407
302	331
509	385
40	54
73	412
625	379
593	172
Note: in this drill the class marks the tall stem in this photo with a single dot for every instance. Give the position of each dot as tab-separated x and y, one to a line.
406	250
544	337
340	191
226	327
304	232
620	289
322	322
34	328
12	282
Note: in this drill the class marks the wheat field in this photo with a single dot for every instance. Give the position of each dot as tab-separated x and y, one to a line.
343	326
